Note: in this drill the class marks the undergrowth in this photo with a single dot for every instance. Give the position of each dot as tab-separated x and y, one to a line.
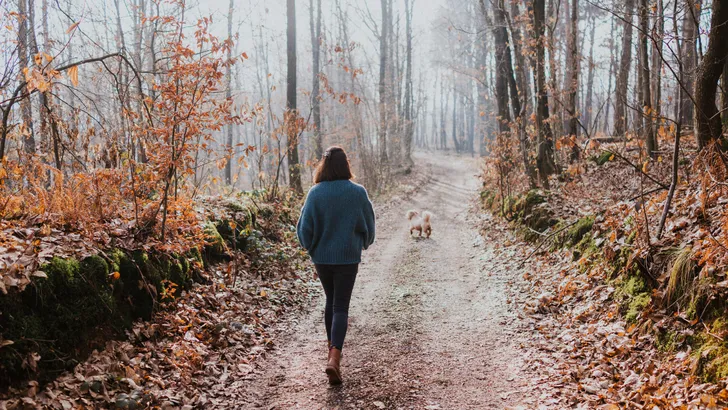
76	305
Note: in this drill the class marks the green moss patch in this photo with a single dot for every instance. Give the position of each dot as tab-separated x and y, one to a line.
79	305
602	158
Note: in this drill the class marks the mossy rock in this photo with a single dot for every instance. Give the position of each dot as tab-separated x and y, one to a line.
215	242
529	211
79	305
577	236
487	198
587	248
57	316
711	358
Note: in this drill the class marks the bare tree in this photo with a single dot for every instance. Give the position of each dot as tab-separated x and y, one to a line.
573	75
409	130
690	33
382	85
315	89
545	156
710	70
644	61
228	96
620	103
25	104
294	170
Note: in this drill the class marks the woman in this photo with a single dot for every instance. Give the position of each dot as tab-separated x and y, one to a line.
337	222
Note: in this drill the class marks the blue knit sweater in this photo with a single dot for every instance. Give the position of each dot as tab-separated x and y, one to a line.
336	223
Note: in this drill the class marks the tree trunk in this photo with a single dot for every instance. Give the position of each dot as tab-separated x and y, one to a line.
382	88
228	96
588	104
645	67
573	84
612	70
545	156
620	103
658	33
553	44
408	5
25	104
690	37
454	117
521	65
502	78
315	97
724	96
710	70
294	169
443	111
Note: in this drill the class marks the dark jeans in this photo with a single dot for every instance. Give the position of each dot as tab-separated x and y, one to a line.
338	282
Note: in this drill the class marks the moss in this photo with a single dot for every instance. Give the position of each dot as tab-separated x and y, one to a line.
636	306
587	248
572	237
635	285
711	357
96	269
667	341
215	241
582	227
602	158
487	198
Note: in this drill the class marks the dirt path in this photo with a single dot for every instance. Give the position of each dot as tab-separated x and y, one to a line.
430	323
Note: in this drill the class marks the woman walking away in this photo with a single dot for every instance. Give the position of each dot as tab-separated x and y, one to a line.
337	222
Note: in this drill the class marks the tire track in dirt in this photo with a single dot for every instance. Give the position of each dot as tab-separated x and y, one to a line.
430	326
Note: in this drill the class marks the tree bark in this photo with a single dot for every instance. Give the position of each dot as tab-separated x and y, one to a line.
228	96
620	103
710	70
408	6
658	34
612	69
25	103
690	37
545	156
724	96
382	87
294	169
588	104
646	94
315	97
573	84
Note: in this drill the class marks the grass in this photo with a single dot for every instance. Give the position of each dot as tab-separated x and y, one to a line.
682	276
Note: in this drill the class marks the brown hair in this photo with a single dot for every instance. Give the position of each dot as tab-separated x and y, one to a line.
334	165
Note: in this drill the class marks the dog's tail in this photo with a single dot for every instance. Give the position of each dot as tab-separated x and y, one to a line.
427	215
411	213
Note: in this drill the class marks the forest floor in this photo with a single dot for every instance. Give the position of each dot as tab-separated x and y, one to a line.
432	323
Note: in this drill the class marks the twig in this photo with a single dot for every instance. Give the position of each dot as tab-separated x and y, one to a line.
708	332
618	155
520	264
651	191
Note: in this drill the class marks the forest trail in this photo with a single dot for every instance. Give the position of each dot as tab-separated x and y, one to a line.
430	326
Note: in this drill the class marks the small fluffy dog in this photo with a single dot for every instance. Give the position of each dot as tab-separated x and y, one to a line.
420	222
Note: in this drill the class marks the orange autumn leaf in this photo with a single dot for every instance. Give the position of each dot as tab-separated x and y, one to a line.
72	27
73	75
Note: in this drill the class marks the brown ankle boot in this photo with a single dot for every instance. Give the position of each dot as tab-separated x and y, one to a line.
333	366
